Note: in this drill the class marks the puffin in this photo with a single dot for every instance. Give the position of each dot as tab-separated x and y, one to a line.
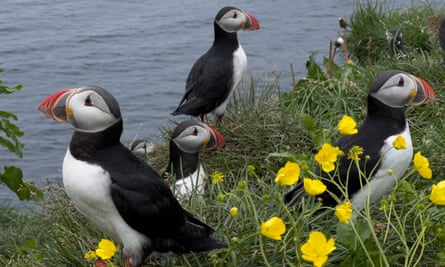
219	71
188	138
395	41
143	148
390	91
114	189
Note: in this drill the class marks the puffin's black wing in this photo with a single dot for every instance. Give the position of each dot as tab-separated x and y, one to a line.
208	84
371	139
144	200
153	215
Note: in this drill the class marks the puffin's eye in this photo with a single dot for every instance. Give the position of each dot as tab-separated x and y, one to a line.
235	15
195	132
401	82
88	101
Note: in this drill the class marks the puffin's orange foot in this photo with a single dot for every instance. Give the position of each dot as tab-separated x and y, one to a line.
127	262
101	263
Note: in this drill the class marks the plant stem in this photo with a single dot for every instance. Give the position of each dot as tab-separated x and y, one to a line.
255	215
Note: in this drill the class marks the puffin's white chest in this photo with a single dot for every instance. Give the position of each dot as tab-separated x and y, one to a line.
89	187
194	183
239	68
393	160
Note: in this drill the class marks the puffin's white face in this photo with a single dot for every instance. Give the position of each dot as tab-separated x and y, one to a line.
234	19
88	111
193	138
399	90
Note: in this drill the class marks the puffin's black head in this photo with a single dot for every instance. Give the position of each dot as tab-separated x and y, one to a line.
396	89
232	19
88	109
190	136
395	40
142	148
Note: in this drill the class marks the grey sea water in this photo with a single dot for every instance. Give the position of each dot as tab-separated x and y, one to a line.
141	51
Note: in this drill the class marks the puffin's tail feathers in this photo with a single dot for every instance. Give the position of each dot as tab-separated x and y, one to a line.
202	245
188	245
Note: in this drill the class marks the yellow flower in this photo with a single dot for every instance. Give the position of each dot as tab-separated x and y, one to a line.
313	187
347	126
327	156
90	255
438	193
399	142
234	211
217	177
355	152
106	249
422	166
344	212
273	228
317	248
289	174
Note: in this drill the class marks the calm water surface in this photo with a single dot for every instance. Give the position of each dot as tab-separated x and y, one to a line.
141	51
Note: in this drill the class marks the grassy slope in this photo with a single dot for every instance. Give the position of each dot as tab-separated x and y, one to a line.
262	120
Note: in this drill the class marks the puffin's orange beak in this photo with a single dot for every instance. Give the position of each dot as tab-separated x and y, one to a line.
54	106
424	94
216	140
251	24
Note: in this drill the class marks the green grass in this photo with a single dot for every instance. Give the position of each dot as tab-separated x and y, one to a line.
265	127
371	19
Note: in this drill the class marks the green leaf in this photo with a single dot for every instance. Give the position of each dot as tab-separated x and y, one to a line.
314	71
15	147
407	187
308	122
9	128
8	115
336	70
9	90
346	236
9	138
315	134
12	133
12	177
30	245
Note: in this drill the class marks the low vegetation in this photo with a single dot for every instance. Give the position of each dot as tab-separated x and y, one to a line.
267	126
